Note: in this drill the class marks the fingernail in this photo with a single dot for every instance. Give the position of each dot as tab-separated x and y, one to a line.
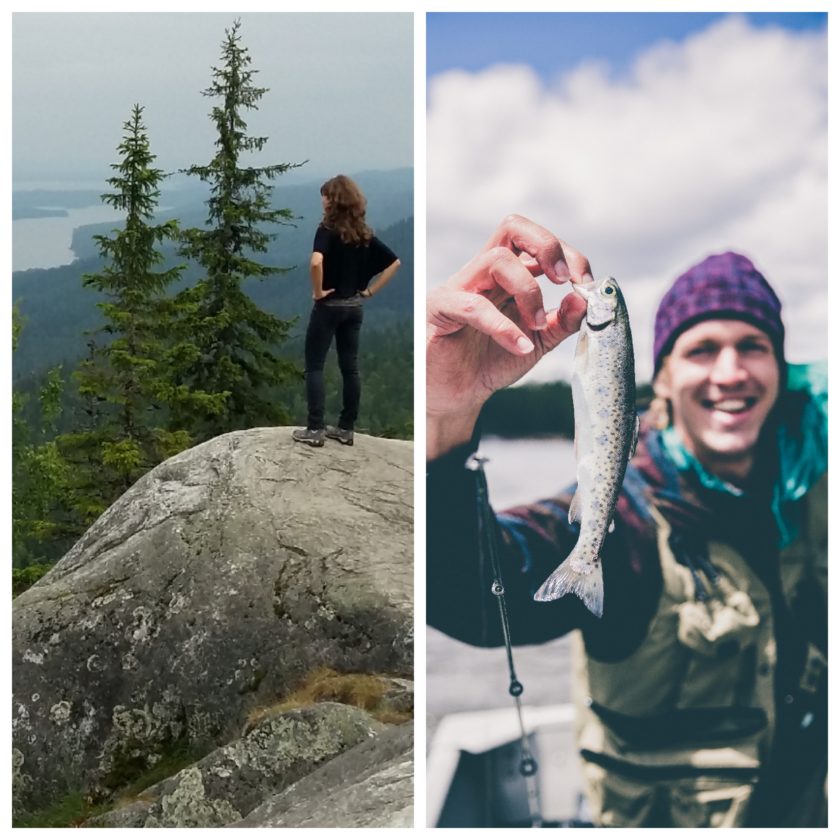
525	344
540	320
561	269
586	278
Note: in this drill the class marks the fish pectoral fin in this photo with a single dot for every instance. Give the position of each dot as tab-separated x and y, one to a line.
634	442
574	509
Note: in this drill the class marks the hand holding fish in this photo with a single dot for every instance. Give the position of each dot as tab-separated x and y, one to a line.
486	326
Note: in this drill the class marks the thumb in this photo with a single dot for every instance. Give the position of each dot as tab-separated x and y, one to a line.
564	321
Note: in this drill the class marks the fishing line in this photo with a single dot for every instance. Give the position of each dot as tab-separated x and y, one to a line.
488	550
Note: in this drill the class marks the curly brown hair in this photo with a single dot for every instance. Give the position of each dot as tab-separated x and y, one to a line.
345	213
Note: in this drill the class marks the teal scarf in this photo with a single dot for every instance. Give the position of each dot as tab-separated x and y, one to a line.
802	439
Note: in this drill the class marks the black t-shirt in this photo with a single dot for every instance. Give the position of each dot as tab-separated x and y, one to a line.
349	268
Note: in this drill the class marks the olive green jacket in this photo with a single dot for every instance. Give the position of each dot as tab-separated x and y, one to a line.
677	733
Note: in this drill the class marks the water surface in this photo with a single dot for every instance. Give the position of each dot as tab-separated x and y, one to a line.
46	242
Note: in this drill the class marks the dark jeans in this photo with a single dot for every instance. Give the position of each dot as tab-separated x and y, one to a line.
344	322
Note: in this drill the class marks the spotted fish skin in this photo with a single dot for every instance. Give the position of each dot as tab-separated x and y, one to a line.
606	429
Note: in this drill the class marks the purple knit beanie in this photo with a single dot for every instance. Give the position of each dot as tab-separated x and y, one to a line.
722	286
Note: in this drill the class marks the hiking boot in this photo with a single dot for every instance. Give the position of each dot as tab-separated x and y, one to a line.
314	437
344	436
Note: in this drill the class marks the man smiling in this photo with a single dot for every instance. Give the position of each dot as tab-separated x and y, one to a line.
701	695
719	360
726	383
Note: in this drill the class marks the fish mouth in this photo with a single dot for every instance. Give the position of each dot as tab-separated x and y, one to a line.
583	290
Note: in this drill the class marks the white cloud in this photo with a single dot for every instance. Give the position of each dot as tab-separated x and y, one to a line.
717	143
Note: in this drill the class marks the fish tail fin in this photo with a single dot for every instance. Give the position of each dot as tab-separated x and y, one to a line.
580	577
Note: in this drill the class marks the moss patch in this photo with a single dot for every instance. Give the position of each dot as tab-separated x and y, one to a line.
69	812
76	808
181	755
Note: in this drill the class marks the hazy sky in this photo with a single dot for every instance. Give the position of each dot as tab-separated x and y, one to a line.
647	141
341	89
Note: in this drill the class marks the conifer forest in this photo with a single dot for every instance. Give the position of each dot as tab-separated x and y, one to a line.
185	320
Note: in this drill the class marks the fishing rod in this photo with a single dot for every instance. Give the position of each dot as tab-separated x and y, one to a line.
488	551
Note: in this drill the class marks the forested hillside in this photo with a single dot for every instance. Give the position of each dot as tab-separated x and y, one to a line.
58	309
183	321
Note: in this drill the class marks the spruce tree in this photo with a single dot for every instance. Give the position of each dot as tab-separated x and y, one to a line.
230	344
125	382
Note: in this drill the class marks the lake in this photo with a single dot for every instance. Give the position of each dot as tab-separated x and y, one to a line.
45	242
461	678
521	471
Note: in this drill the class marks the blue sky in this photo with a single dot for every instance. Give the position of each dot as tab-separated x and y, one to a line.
551	43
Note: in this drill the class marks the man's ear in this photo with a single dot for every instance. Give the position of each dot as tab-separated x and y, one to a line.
659	410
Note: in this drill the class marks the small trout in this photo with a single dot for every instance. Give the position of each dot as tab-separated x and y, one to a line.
606	430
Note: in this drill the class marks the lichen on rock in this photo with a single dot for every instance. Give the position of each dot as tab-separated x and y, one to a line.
235	778
187	805
210	587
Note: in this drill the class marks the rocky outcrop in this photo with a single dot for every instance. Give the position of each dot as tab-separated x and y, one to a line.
211	587
369	786
234	779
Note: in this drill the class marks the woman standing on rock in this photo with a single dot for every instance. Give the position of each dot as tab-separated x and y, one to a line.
345	257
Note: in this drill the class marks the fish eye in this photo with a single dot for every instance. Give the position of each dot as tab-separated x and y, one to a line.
609	290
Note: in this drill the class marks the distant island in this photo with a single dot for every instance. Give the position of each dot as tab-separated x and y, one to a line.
38	213
46	204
